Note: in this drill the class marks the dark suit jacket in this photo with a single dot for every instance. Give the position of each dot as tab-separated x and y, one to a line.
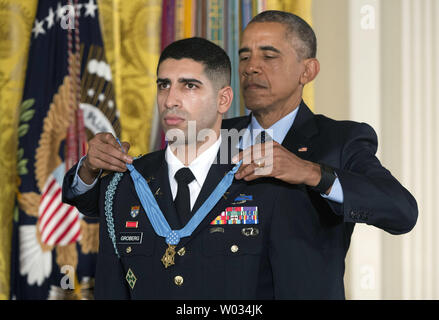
371	194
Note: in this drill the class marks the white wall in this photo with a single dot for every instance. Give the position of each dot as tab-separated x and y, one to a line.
379	65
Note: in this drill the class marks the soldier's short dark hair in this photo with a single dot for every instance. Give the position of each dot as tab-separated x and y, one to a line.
217	66
306	46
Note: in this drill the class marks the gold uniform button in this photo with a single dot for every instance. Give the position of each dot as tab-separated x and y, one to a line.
178	280
234	248
128	250
181	252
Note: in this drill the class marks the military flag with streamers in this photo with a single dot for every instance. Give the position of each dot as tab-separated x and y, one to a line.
68	97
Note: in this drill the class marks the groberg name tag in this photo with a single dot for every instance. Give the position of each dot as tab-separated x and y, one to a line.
129	237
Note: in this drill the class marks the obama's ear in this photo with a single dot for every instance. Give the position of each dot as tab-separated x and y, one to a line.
312	68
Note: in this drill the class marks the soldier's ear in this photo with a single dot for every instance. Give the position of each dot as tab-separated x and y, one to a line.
225	98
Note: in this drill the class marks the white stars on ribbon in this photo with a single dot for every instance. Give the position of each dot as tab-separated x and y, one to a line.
172	238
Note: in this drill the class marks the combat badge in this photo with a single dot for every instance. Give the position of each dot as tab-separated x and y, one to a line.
242	198
131	278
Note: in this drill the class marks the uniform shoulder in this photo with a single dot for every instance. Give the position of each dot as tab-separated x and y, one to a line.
145	161
149	157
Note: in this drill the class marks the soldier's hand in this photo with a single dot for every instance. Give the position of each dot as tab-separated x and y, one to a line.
265	160
104	153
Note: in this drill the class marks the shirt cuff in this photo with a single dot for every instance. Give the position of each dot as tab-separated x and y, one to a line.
336	193
78	186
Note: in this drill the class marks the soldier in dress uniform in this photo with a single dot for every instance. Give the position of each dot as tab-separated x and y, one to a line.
228	246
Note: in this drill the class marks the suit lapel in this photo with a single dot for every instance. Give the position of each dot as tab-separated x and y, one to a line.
298	139
243	123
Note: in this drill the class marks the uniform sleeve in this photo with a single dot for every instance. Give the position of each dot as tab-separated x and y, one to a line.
371	194
86	203
78	186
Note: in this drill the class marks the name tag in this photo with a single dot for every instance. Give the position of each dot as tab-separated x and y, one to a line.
129	237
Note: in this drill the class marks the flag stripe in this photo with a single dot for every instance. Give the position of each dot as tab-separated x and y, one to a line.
48	193
55	228
53	199
53	214
64	227
72	234
65	221
48	189
57	220
76	236
68	228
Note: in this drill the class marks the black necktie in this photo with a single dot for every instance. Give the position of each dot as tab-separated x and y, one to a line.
263	137
184	176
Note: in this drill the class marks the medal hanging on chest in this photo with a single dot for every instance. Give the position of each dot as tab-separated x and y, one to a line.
168	257
157	219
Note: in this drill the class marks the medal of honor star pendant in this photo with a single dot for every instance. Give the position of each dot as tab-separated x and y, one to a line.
168	257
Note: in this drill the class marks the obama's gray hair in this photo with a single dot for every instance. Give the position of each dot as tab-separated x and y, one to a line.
305	42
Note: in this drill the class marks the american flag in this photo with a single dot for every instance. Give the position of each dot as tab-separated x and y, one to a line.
59	223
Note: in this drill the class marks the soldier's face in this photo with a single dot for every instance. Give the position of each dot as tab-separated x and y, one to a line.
269	68
185	93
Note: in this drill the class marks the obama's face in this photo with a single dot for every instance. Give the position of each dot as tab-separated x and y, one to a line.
269	68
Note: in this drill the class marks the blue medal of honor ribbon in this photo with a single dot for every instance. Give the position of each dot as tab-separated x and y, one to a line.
155	215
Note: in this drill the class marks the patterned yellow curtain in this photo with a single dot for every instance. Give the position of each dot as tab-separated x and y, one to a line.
131	32
302	8
16	18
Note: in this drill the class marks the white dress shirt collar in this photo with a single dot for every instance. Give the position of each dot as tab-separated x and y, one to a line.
200	167
278	130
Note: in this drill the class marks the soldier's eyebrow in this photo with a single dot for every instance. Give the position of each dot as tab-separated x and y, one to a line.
189	80
181	80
